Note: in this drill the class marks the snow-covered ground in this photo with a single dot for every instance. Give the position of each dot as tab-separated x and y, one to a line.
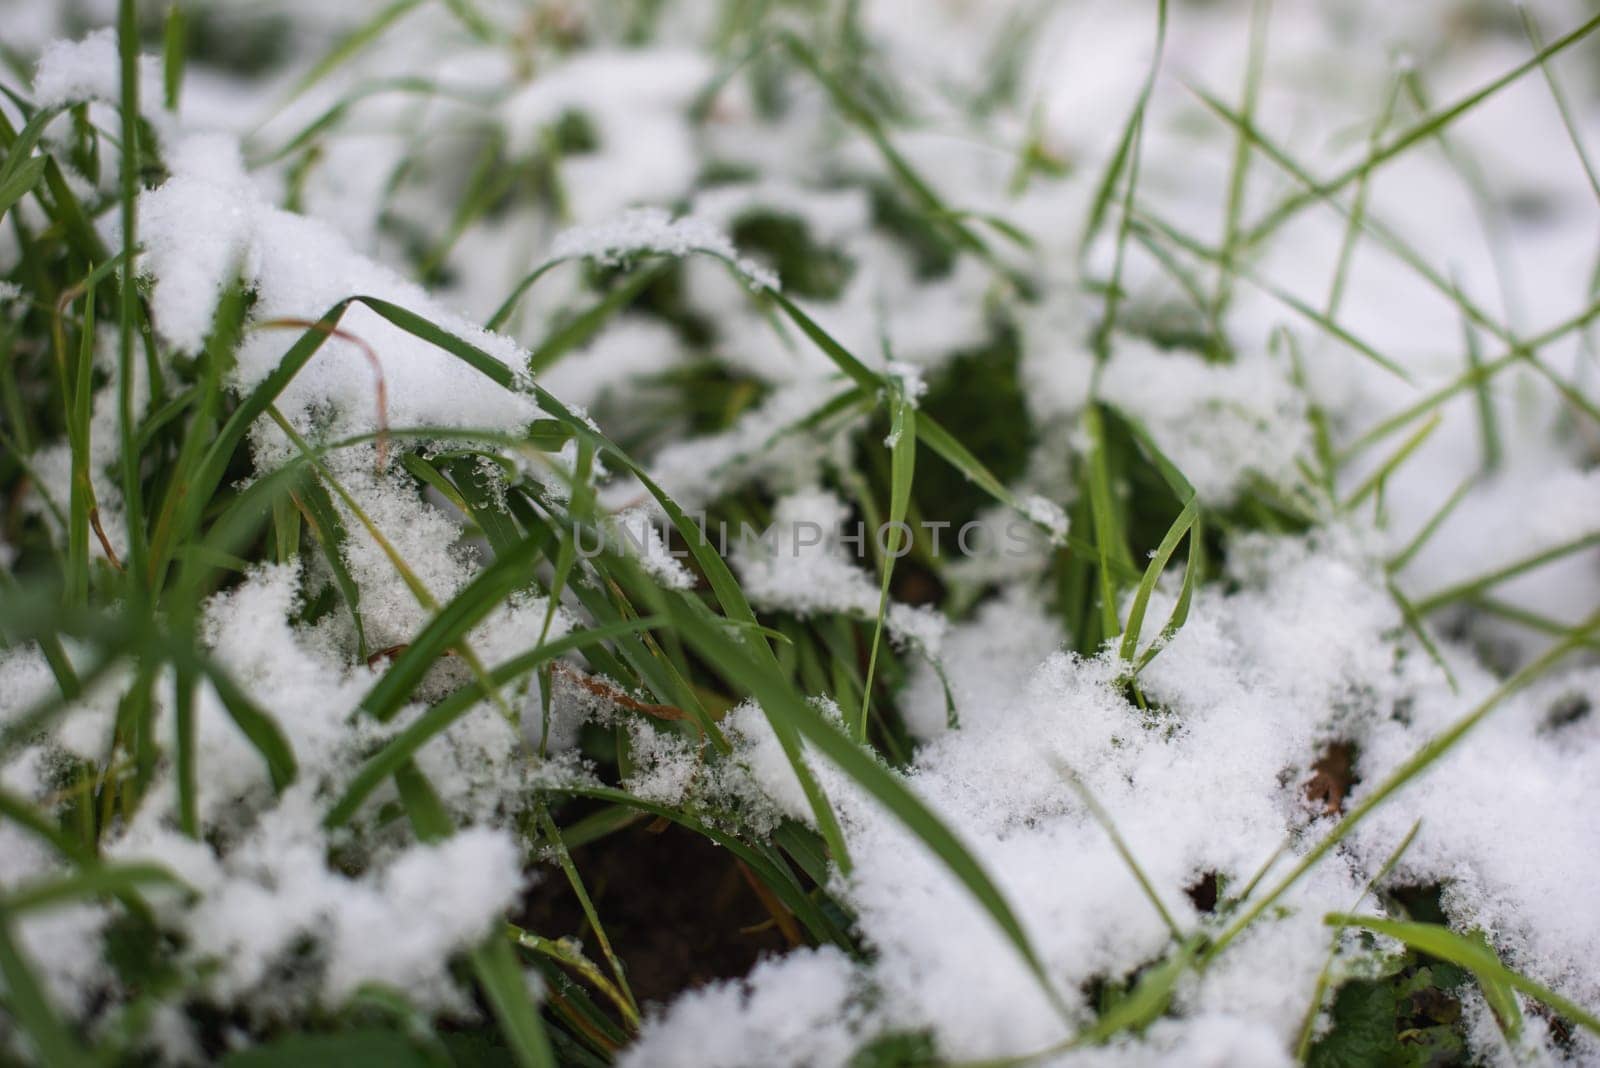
1342	393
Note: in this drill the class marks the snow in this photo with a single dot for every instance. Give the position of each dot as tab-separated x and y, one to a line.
651	230
74	72
802	563
799	1012
1298	639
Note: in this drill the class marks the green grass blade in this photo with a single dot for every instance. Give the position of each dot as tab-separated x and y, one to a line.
903	457
88	881
584	326
31	1008
328	530
20	182
128	306
253	722
1493	976
780	703
1424	128
174	54
490	587
1180	528
1409	769
400	749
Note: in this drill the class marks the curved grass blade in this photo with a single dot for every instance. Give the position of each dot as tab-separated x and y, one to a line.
1494	977
1415	765
902	464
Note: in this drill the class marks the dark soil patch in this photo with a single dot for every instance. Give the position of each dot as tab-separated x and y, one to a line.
676	907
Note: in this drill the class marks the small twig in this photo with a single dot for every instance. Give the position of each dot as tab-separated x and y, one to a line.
609	691
105	542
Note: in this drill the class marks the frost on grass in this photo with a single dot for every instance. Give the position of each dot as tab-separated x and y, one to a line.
1382	551
650	230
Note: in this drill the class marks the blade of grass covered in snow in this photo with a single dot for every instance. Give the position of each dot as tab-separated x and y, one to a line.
1493	976
449	625
1422	129
1410	768
723	585
453	615
780	702
400	749
902	444
1309	1026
